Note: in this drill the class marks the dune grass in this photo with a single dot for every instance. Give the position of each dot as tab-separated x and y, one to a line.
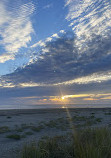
108	113
4	129
14	136
29	133
88	143
62	123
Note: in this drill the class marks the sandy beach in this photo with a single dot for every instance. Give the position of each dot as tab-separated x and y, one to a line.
32	125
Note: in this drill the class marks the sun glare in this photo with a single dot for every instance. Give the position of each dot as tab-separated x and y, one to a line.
63	98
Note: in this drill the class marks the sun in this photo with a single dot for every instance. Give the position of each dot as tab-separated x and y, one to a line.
62	97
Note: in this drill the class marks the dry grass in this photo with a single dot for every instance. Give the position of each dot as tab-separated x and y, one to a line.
89	143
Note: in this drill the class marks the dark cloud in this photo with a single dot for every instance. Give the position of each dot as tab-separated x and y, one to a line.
64	61
26	92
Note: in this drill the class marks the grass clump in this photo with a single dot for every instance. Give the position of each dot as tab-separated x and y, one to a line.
93	113
98	119
4	129
108	113
31	151
90	143
25	126
51	123
14	136
38	128
19	129
60	123
29	133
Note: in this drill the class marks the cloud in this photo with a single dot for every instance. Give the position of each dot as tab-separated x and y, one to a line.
95	77
43	43
52	37
62	31
39	43
55	35
77	96
90	99
60	63
48	39
88	18
15	26
107	98
48	6
4	57
49	95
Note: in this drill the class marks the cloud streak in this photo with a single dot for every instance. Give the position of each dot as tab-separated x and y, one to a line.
15	26
88	18
4	57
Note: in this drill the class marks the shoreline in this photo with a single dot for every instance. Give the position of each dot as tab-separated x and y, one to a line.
45	110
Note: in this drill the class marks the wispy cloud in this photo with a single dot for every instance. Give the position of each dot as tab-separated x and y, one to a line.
62	31
94	78
48	6
55	35
88	18
43	43
39	43
5	56
15	26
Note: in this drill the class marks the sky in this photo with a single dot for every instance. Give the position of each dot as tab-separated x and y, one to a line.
55	52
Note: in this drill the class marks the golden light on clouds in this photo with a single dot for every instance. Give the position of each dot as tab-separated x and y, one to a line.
82	97
44	99
59	99
76	96
56	99
90	99
68	99
106	98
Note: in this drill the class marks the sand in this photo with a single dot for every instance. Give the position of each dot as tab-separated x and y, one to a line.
21	121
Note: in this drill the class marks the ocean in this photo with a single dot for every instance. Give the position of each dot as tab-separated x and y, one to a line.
53	106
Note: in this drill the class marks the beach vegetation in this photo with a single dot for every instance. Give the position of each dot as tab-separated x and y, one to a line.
98	119
93	113
37	128
29	133
88	143
14	136
4	129
108	113
19	129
